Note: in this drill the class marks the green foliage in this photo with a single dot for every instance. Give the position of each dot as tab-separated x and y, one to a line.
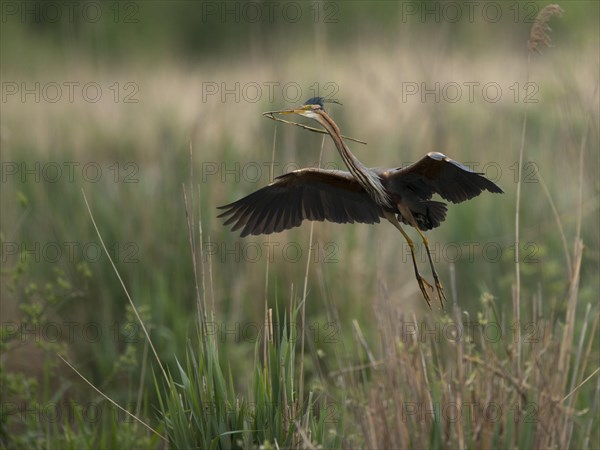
200	407
33	414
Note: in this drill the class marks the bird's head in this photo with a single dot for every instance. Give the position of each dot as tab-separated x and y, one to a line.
310	108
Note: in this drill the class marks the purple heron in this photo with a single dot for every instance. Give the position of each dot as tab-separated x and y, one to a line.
362	195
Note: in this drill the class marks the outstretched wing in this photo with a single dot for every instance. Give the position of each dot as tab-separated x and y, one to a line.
436	173
312	194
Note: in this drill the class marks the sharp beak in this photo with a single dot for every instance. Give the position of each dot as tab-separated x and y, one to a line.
300	110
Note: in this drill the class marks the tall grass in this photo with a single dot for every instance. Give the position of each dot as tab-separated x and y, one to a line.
199	404
481	375
449	382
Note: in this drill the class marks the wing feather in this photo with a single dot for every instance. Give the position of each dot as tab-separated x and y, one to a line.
436	173
306	194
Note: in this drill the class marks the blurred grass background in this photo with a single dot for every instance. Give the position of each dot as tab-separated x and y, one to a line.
167	55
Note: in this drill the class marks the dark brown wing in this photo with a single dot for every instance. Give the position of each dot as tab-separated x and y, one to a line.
436	173
312	194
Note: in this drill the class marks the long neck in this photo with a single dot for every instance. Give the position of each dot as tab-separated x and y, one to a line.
367	178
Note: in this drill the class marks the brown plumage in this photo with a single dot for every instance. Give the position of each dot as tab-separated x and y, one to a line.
306	194
362	195
336	196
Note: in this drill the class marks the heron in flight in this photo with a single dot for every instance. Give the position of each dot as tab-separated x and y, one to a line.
363	195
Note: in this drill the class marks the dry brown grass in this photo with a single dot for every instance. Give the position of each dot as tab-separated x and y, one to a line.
425	371
446	383
540	30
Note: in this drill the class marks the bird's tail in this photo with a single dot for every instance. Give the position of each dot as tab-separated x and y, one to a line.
429	214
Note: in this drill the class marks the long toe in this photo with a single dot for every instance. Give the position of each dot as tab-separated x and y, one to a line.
441	293
426	283
422	283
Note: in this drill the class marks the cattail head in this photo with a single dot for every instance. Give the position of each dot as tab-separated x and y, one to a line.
540	29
